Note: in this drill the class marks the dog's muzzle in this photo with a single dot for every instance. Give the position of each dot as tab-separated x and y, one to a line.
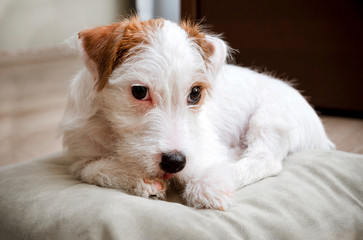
173	162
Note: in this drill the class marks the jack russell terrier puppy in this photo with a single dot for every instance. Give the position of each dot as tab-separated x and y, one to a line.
157	101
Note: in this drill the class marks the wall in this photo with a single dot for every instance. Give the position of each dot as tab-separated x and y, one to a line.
38	23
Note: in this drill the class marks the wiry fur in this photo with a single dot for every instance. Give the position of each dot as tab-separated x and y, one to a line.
240	133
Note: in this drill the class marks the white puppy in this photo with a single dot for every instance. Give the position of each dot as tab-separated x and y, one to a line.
156	101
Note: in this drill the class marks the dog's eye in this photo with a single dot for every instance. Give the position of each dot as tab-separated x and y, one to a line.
140	92
195	95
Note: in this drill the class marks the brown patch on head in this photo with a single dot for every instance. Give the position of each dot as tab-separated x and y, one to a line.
134	34
195	32
109	46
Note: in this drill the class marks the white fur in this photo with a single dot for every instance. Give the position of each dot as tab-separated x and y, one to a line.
247	125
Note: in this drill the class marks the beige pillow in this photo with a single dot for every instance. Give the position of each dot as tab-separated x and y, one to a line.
318	195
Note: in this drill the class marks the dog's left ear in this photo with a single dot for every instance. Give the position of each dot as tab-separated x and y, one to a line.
213	49
217	57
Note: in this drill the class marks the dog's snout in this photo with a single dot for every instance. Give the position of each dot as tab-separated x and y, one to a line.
173	162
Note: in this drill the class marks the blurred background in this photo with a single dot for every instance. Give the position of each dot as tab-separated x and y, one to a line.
38	23
316	43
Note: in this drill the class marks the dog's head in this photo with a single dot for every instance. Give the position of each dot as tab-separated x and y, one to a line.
149	82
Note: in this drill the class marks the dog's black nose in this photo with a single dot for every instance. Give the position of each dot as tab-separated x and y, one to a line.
173	162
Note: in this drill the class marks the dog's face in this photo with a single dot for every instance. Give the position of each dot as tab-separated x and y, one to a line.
151	81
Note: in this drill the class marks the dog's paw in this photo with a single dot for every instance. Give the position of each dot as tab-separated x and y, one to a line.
204	195
210	191
153	188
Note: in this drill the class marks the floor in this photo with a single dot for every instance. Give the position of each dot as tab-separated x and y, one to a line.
346	133
33	95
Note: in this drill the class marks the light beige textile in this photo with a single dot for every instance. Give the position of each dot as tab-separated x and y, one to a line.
318	195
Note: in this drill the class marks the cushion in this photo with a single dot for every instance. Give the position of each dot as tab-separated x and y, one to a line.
318	195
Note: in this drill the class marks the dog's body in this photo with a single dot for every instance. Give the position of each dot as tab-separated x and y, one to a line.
157	101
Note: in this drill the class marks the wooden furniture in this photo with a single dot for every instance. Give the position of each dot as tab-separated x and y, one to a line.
317	43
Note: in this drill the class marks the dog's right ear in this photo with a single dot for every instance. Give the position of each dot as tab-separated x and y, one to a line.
99	48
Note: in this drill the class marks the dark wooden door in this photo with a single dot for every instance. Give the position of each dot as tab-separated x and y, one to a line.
318	43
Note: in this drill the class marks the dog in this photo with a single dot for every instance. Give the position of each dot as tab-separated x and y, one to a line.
157	102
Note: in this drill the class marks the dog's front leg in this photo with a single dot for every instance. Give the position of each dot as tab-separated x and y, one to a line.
110	172
267	145
208	181
211	188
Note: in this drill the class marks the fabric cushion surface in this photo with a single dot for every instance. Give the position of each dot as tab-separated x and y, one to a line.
318	195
